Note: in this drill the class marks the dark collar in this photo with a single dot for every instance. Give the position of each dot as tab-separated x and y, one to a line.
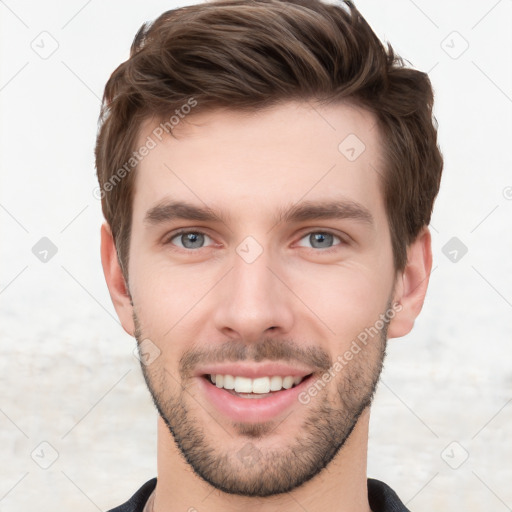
380	496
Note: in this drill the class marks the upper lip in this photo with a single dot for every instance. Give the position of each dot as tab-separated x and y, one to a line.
253	371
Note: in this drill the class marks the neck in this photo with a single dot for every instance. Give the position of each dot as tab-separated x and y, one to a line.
340	487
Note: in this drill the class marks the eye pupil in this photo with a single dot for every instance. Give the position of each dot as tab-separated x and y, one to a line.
196	239
192	238
321	238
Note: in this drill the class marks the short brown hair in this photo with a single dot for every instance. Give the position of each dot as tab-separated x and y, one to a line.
253	54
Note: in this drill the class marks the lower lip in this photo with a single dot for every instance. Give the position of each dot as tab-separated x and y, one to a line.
251	410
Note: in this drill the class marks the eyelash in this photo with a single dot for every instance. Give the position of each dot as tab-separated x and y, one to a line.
172	236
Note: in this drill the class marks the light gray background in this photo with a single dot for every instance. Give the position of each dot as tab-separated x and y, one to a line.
68	376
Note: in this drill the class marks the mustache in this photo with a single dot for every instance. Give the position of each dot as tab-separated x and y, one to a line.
269	349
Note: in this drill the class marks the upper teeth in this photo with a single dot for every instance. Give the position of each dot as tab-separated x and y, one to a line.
259	385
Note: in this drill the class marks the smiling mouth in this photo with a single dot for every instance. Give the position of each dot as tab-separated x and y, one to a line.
262	387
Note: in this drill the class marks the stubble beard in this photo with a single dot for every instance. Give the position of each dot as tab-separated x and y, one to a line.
251	469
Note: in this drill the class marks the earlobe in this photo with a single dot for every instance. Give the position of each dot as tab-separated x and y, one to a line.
115	280
412	286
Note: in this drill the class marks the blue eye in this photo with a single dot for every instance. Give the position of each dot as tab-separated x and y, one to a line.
321	239
190	239
193	239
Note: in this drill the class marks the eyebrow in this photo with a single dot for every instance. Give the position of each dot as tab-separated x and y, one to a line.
307	210
181	210
318	210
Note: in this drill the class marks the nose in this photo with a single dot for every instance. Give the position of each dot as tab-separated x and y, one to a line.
254	300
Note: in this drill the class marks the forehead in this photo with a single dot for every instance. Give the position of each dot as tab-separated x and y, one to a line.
254	164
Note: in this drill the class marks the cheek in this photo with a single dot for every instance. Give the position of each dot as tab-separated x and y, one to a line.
168	297
174	302
346	298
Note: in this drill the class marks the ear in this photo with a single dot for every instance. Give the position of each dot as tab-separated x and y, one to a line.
411	285
115	280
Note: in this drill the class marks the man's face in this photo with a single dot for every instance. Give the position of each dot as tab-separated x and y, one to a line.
249	288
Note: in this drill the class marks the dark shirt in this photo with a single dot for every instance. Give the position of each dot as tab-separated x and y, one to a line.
380	496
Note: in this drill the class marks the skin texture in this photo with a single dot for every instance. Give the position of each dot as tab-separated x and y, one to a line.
198	300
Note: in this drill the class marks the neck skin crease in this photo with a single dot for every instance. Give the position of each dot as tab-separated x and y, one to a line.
339	487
